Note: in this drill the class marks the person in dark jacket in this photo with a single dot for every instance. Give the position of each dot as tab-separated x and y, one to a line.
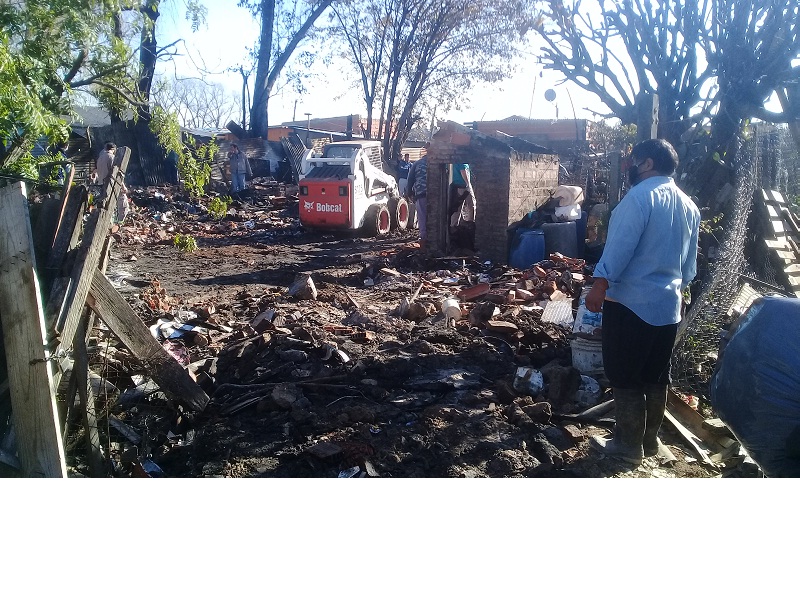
418	187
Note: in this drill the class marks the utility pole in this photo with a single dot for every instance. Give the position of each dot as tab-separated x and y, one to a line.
308	129
647	117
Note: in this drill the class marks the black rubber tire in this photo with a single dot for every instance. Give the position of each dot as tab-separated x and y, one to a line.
400	213
377	220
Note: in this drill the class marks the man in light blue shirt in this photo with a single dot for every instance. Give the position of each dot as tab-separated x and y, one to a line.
649	258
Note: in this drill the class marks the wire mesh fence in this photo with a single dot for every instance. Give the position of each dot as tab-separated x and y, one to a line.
767	159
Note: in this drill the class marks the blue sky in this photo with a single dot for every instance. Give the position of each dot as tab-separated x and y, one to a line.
230	31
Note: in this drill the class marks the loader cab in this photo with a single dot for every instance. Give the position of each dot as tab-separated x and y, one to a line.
333	151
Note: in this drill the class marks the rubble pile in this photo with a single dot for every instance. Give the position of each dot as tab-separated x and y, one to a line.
392	365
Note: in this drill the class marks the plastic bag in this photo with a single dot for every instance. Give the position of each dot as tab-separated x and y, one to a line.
568	195
756	387
567	213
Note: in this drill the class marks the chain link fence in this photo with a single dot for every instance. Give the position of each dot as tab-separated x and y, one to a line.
767	159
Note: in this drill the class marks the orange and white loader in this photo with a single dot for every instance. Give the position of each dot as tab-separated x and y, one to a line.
347	188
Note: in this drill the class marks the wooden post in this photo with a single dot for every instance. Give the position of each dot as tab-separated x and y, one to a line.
68	230
68	294
170	376
647	117
30	376
97	462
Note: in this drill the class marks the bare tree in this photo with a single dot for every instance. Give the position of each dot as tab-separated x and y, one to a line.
143	26
755	50
284	25
412	54
621	50
363	31
198	104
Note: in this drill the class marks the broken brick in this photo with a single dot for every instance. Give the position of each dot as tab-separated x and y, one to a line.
474	292
324	450
574	433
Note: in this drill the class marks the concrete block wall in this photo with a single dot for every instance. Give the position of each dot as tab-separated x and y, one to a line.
533	177
507	186
487	172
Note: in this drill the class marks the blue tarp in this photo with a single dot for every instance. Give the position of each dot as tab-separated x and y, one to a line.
756	388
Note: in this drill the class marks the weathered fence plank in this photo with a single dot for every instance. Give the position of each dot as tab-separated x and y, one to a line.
68	295
170	376
30	377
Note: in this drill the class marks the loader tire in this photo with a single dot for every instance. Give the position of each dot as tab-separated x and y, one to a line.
399	211
377	220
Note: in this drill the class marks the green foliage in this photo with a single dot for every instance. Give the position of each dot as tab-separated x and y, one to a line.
218	207
184	243
713	225
194	161
606	137
27	166
46	50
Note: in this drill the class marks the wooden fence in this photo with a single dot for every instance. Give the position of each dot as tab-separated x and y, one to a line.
52	285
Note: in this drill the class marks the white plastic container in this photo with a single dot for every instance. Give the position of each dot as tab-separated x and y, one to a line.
451	310
587	356
568	195
586	321
528	380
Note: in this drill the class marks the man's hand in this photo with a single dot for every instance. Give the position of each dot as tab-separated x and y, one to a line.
596	296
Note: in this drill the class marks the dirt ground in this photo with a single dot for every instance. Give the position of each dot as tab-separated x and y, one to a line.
334	386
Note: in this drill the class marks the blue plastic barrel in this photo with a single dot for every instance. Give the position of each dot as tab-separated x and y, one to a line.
527	248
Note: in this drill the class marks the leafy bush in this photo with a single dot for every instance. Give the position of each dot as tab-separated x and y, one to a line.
218	207
194	161
184	243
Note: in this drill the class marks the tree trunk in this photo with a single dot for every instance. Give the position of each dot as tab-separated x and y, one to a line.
148	55
259	120
267	74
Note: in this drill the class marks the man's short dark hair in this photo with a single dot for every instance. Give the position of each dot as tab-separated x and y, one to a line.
665	159
110	145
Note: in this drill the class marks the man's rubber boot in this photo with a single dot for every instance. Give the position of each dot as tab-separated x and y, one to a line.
656	403
629	411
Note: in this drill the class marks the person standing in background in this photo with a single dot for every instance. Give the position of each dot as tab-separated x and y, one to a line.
418	187
462	208
105	164
403	167
240	169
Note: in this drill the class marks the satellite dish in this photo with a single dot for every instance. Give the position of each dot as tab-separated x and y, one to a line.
550	95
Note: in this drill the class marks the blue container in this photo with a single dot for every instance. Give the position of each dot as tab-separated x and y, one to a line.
527	248
561	237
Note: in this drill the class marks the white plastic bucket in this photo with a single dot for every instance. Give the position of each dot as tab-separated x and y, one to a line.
587	356
451	309
586	321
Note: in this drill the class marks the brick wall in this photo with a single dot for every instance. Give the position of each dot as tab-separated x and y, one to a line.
533	177
507	186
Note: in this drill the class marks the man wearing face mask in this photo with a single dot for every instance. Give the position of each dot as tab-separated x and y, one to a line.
649	258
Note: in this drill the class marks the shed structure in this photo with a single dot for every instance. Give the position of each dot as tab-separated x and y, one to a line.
510	177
